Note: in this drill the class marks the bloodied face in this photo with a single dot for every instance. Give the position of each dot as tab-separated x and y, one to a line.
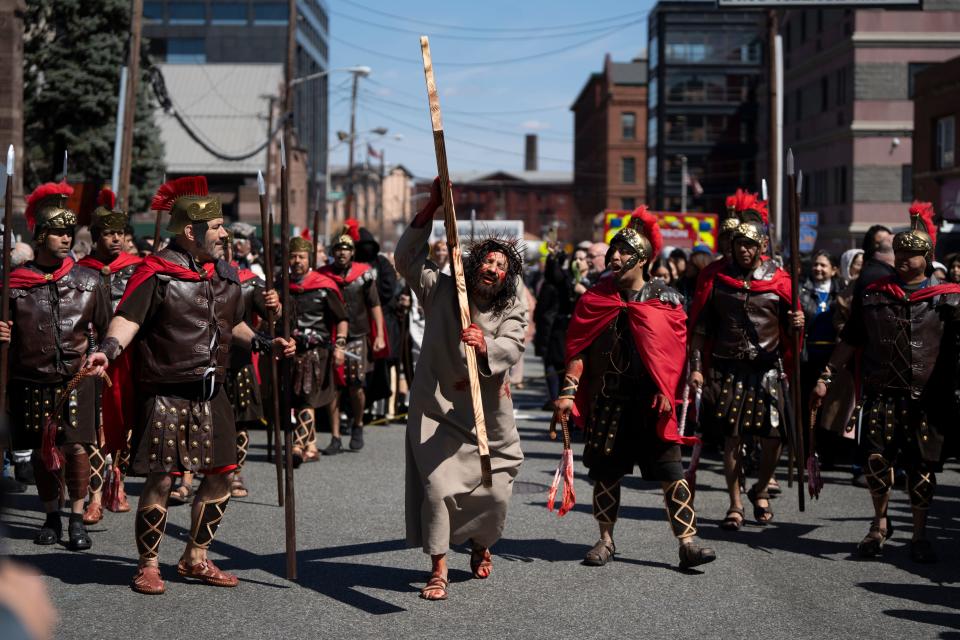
491	274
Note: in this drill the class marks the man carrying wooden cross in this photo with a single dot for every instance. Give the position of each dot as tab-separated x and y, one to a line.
446	501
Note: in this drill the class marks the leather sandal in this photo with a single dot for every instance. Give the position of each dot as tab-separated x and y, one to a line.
693	555
311	455
48	535
147	580
437	584
93	513
872	545
296	454
481	559
181	494
208	573
763	515
237	489
600	554
731	523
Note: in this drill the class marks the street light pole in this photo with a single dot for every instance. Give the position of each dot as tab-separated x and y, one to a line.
347	211
684	178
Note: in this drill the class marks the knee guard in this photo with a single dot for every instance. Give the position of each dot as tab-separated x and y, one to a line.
680	512
98	465
879	475
606	501
243	444
922	482
149	525
208	519
76	471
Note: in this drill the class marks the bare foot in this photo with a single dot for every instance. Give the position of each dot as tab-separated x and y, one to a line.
481	563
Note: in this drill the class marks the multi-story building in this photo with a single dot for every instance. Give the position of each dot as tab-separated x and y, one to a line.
383	200
849	79
936	166
704	66
609	148
251	31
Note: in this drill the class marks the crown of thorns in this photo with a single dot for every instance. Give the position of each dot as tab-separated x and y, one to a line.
512	248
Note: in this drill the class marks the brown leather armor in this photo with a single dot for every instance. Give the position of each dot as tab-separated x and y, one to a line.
903	340
192	328
354	298
116	283
254	306
311	309
51	336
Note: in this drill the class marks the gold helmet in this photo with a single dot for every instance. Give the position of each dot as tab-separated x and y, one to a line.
348	235
751	216
188	201
300	244
47	209
105	216
642	234
922	235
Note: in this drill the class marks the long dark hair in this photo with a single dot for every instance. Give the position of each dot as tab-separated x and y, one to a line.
477	251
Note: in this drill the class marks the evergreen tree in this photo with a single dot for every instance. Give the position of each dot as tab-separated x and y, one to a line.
73	52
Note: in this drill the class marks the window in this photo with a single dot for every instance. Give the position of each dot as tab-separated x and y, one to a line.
628	204
153	12
652	53
824	94
629	170
819	20
269	13
913	68
652	94
187	12
786	36
652	169
186	51
706	87
906	183
840	185
228	13
628	125
652	131
715	47
945	139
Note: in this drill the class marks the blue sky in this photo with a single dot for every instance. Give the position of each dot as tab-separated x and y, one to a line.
492	91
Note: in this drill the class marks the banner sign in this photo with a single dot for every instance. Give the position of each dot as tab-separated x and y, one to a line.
680	230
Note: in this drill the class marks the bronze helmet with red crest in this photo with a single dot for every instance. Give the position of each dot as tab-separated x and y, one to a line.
752	215
188	201
922	235
47	209
642	235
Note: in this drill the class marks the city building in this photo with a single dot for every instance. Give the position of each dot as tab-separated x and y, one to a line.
936	167
251	32
849	79
705	65
376	188
610	143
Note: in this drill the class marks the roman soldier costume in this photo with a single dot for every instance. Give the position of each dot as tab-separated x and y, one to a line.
116	411
317	307
906	337
632	346
58	313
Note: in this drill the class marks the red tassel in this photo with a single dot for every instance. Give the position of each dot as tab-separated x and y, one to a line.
49	451
564	472
113	492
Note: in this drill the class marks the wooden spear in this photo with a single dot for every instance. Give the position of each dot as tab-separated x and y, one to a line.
7	249
266	224
456	262
290	515
794	204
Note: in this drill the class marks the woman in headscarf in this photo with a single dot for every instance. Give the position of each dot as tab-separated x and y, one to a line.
850	264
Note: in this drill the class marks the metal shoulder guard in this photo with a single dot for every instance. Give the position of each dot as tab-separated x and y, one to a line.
660	291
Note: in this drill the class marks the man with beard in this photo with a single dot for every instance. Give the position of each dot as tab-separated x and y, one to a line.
905	327
741	323
358	286
320	326
115	266
627	343
58	309
185	306
445	500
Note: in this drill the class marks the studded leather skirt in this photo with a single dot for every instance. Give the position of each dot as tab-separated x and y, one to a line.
898	427
741	398
30	404
178	431
244	392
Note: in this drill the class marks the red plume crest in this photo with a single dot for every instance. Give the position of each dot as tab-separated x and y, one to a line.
41	192
646	223
353	228
106	199
924	210
168	192
745	201
305	234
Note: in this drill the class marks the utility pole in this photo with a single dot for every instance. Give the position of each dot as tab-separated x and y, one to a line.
684	179
383	215
773	152
348	208
129	111
268	174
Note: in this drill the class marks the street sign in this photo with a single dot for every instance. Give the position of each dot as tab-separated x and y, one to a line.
799	4
808	239
334	196
809	218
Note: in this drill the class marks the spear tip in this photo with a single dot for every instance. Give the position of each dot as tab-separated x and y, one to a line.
10	160
800	182
790	161
261	185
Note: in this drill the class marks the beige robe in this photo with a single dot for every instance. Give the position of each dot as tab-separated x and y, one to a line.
445	502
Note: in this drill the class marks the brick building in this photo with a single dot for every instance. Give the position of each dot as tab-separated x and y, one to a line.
936	167
848	115
11	87
377	189
610	142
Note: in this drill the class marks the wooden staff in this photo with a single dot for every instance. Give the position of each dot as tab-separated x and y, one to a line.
794	204
7	248
456	262
290	515
266	231
156	225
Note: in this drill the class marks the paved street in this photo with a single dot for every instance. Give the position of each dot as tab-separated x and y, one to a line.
795	579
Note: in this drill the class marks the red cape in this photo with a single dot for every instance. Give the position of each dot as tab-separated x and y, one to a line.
153	265
659	333
701	292
892	288
315	280
121	261
356	270
245	275
23	278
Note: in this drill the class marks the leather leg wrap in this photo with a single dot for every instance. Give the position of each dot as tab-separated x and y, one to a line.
680	511
301	433
98	465
149	524
243	444
76	471
48	484
606	501
205	527
879	475
923	483
124	461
